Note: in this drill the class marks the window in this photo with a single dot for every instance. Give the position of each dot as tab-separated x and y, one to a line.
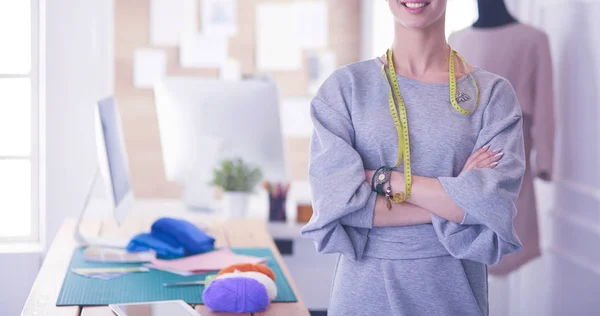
19	123
459	14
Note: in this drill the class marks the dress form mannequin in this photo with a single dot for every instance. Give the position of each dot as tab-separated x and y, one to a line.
493	13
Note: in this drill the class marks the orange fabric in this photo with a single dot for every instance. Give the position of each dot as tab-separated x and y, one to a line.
248	267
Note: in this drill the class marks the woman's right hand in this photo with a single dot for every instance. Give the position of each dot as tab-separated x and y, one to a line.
483	158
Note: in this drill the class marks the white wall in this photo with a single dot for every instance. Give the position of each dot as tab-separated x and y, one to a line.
17	273
573	218
80	71
574	31
79	68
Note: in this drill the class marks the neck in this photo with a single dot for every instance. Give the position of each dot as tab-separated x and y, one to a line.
493	13
417	52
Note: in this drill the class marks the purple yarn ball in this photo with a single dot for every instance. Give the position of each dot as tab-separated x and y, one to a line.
236	295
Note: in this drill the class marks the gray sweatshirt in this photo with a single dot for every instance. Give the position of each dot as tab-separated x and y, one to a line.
354	131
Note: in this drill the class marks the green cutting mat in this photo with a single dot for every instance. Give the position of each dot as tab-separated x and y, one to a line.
147	287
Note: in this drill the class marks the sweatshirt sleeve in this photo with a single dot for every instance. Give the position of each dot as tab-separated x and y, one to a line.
488	195
343	204
542	130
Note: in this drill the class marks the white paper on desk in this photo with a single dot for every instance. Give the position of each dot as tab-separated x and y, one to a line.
231	70
276	44
149	66
101	254
312	24
320	66
170	19
295	117
219	17
203	51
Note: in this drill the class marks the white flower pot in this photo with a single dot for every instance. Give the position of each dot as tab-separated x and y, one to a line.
235	204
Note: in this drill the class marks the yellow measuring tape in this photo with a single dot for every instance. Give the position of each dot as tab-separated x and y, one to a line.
401	121
452	80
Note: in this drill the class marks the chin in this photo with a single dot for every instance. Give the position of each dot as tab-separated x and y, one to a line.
418	14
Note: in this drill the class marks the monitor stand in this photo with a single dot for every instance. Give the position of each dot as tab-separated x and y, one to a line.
93	241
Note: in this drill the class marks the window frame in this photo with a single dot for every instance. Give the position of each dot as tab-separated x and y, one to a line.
36	166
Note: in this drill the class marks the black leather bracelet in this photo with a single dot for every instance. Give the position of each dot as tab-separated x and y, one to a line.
381	176
373	187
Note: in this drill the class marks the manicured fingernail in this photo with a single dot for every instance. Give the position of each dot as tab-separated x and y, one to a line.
486	147
493	164
499	155
497	150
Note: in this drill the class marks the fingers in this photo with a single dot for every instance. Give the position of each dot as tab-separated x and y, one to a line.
482	151
491	160
476	156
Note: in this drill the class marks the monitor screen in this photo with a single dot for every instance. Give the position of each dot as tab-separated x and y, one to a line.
115	149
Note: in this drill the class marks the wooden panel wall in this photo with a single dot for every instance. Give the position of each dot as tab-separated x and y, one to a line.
132	31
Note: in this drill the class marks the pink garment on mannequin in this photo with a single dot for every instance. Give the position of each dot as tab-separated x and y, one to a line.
521	54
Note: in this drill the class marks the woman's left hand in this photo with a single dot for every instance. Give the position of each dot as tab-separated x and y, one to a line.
483	158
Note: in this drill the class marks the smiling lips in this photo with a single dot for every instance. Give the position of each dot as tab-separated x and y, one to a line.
415	6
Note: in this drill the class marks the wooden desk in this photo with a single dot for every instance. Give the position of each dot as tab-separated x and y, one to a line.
231	233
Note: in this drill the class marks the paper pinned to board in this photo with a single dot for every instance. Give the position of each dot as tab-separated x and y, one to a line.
149	66
320	66
231	70
203	51
295	117
276	44
171	19
219	17
312	24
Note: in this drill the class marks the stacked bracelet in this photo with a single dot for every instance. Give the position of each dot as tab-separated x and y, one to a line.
382	176
379	179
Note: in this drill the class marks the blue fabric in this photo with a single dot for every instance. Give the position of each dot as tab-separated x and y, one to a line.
183	234
164	250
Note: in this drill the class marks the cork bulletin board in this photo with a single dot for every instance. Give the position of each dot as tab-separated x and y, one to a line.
138	111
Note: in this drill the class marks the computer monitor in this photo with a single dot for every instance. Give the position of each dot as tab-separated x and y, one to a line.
203	121
112	158
114	170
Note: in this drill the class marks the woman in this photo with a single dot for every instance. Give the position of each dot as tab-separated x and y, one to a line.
415	240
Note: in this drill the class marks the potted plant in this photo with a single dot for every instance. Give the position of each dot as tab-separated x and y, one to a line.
237	180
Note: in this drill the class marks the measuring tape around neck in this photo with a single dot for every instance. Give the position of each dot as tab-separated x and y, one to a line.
401	121
452	81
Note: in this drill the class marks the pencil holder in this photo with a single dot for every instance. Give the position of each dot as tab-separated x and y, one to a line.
277	209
